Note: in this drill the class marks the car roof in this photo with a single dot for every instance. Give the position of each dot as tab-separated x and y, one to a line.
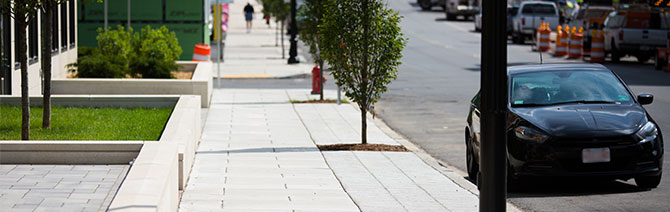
538	2
555	67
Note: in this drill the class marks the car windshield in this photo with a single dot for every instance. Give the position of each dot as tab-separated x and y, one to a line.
538	9
563	87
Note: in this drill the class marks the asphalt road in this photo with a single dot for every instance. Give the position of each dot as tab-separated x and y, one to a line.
428	104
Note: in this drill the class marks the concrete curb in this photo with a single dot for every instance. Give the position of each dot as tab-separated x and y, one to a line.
264	76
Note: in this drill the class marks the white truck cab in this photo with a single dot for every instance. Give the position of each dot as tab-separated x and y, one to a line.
531	14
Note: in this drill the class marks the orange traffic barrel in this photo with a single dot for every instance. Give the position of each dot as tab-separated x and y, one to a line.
575	47
597	46
561	41
544	39
201	52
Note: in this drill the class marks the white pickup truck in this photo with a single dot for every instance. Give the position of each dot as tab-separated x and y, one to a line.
531	14
635	33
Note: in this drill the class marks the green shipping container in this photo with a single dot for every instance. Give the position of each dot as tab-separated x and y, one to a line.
177	10
184	17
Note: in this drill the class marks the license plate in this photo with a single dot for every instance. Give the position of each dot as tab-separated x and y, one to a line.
596	155
644	48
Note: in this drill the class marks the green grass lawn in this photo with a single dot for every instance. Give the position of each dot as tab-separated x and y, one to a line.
74	123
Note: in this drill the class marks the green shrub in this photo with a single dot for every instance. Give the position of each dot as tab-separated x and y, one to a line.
148	67
155	53
100	66
150	54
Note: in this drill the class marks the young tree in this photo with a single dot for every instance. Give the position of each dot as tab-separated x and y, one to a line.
47	8
312	11
280	10
362	42
22	11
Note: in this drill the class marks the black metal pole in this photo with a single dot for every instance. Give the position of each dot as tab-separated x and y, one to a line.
493	191
293	50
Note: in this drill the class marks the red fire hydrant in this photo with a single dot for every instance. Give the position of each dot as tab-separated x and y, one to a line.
316	77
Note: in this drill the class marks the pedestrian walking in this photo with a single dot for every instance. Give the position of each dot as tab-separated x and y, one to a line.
248	15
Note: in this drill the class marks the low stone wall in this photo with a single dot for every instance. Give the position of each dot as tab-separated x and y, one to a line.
200	84
160	168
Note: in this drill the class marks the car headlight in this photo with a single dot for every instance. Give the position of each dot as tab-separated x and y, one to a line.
647	133
530	134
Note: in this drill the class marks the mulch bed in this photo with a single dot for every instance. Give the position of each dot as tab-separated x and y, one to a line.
325	101
363	147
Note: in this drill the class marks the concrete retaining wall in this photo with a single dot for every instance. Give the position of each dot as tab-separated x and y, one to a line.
200	84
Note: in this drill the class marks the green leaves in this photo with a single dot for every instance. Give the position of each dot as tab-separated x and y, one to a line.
277	8
362	42
311	16
149	54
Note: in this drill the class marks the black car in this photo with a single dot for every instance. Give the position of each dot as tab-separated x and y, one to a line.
573	120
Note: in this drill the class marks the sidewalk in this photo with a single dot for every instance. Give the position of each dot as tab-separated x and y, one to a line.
258	153
256	54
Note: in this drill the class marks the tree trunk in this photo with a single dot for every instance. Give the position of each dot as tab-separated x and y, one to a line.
282	40
277	33
46	64
364	126
21	23
321	80
365	104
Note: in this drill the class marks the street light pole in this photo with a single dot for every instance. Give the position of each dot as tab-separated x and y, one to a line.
105	14
493	106
293	50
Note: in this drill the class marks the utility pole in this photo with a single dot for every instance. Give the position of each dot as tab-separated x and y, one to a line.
106	19
128	16
219	34
493	191
293	50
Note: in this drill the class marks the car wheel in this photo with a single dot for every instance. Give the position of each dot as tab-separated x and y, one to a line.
425	5
648	182
477	29
518	38
658	64
450	16
472	164
643	58
616	56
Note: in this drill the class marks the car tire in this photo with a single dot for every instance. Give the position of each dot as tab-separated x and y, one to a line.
616	56
643	58
450	17
658	64
517	38
477	29
471	162
648	182
425	5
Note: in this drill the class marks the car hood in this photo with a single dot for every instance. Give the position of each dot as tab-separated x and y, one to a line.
585	119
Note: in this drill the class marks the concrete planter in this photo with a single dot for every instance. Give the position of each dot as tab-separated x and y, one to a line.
160	168
200	84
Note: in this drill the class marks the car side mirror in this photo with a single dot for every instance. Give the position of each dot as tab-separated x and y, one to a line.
645	99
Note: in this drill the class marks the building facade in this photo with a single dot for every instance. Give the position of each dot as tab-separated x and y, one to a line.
64	49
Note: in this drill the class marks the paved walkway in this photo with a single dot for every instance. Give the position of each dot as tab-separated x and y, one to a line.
258	153
254	54
59	187
255	155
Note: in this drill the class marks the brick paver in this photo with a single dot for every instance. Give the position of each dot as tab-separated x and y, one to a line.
59	187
